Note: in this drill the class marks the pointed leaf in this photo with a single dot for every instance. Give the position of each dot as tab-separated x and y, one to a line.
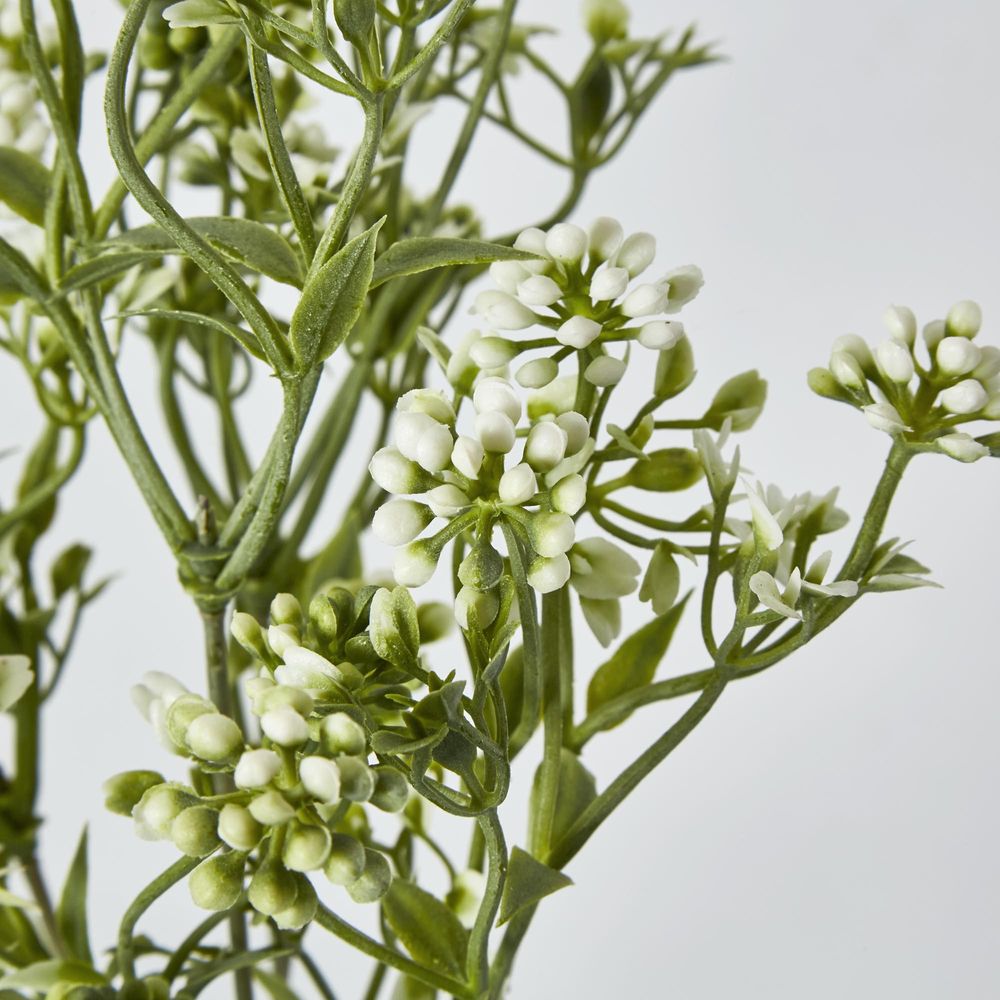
109	265
577	789
635	661
741	399
332	300
423	253
429	931
71	914
24	184
528	881
246	340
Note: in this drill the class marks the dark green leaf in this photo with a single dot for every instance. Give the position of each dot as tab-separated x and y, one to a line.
528	881
429	931
386	741
71	914
19	943
24	184
423	253
332	300
68	569
634	662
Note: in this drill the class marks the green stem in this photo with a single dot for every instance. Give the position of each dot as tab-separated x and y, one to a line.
478	961
544	805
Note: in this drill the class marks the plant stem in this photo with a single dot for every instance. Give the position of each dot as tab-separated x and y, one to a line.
544	804
478	963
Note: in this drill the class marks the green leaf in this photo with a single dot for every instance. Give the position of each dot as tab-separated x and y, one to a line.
68	569
626	443
666	470
429	931
109	265
19	944
634	662
246	340
71	913
7	898
528	881
604	616
388	741
740	399
423	253
24	184
408	988
243	241
45	975
577	789
662	581
675	370
332	300
274	984
16	676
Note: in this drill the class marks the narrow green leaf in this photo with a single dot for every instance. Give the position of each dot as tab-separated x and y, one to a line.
634	662
429	931
71	913
107	266
424	253
246	340
528	881
24	184
387	741
332	300
19	943
45	975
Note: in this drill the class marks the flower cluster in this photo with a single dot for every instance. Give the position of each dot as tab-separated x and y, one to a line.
922	401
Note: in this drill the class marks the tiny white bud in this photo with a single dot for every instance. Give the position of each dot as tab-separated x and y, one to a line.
394	473
884	417
989	363
413	564
503	311
485	603
517	485
539	290
400	521
606	236
933	334
340	733
467	456
447	500
846	370
496	395
645	300
496	432
320	777
566	243
578	332
854	345
493	352
238	829
967	397
767	532
531	241
636	253
408	430
962	447
964	319
608	284
548	575
992	409
214	737
901	324
957	356
546	446
604	371
569	494
282	638
508	274
257	768
286	610
683	284
577	429
894	361
284	726
429	401
537	373
271	808
551	534
434	449
661	335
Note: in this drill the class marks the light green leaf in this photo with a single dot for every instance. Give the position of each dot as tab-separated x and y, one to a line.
604	616
666	470
740	399
24	184
15	678
388	741
626	443
429	931
662	581
199	13
423	253
109	265
246	340
71	914
7	898
408	988
528	881
332	300
243	241
67	571
634	662
45	975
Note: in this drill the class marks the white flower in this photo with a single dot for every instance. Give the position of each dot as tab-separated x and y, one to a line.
467	456
284	726
496	432
537	373
605	237
901	324
434	449
894	361
764	586
257	768
502	311
884	417
546	446
645	300
16	676
548	574
962	447
965	398
660	335
683	283
400	521
320	777
766	529
957	356
517	485
608	284
964	319
569	494
153	697
566	243
578	332
539	290
636	253
604	371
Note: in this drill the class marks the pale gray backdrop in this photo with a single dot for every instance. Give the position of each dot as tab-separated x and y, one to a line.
831	830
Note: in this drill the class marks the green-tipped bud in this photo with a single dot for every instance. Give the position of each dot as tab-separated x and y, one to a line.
434	620
822	382
215	737
271	809
476	608
216	884
346	860
247	632
302	910
182	712
195	831
238	828
355	18
482	567
283	696
286	610
306	848
323	617
374	881
357	782
272	889
392	626
122	792
156	811
391	790
340	734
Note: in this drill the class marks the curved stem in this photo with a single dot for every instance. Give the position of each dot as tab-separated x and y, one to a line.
478	962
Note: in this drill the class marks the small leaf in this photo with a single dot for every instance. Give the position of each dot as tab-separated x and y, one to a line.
332	300
16	676
528	881
71	914
634	662
662	581
387	741
604	616
740	399
68	569
626	443
24	184
429	931
423	253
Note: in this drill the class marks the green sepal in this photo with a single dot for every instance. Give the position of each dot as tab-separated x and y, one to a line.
528	881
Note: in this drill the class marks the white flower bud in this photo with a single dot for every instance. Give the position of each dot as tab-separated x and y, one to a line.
517	485
846	370
246	630
933	334
539	290
281	638
578	332
569	494
566	243
551	534
429	401
577	429
214	737
608	284
271	808
901	324
962	447
156	811
957	356
548	575
286	610
496	395
340	734
306	848
636	253
495	432
606	236
434	449
503	311
493	352
645	300
537	373
414	564
257	768
284	726
964	319
531	241
485	603
396	474
467	456
508	274
661	335
238	829
967	397
357	780
275	696
992	409
408	430
546	446
604	371
884	417
400	521
217	882
256	685
683	284
894	361
989	363
321	778
447	500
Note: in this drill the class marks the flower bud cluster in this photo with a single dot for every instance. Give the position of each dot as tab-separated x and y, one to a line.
581	289
921	399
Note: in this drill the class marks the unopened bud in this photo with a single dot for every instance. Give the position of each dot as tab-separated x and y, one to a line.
216	884
215	737
566	243
257	768
391	790
957	356
195	831
122	792
517	485
538	290
357	782
569	494
546	446
551	534
962	447
636	253
894	361
346	860
604	371
964	319
606	236
493	352
340	734
321	778
159	806
271	808
272	888
286	610
247	632
538	373
481	605
548	575
238	828
374	881
495	432
306	848
302	910
284	726
967	397
901	324
578	332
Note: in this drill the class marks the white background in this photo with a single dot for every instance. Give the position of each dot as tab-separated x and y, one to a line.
831	830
